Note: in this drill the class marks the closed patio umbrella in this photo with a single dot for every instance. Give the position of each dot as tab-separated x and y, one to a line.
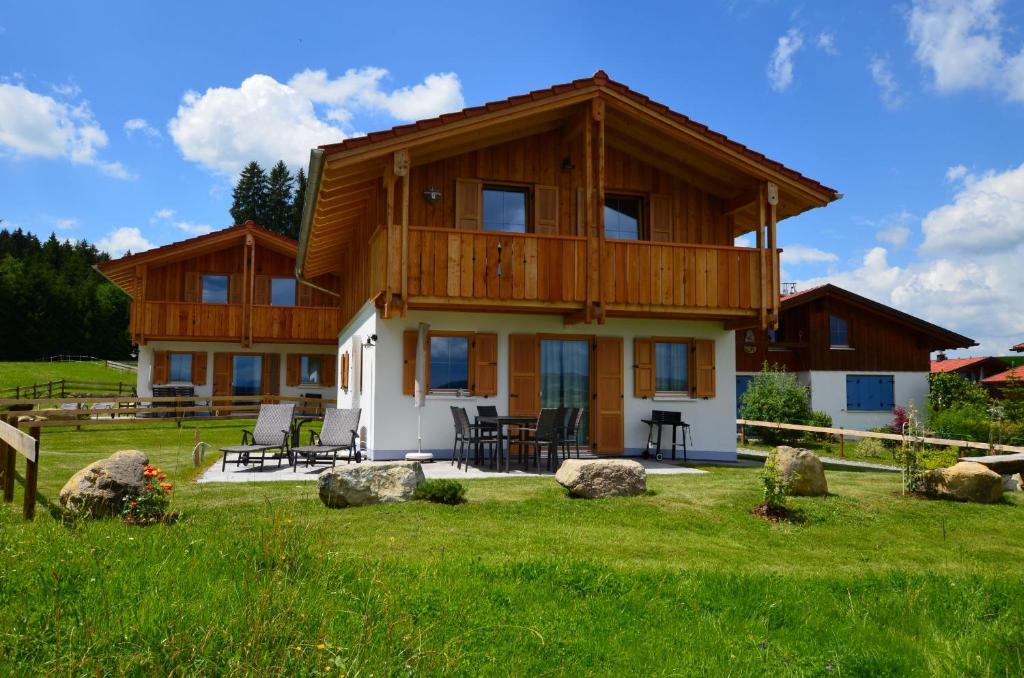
420	392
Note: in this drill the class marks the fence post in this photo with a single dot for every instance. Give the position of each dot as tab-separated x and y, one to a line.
842	444
17	392
743	435
32	478
7	466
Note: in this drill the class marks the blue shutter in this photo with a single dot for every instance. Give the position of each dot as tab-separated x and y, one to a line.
887	390
853	392
870	393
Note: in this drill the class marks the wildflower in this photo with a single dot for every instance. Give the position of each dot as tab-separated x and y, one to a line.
166	487
321	646
134	504
162	476
327	669
298	648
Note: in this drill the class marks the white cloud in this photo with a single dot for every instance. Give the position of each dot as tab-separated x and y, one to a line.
122	240
889	89
193	229
33	124
142	127
961	43
986	215
826	42
162	215
956	173
802	254
780	68
266	120
896	235
65	224
68	90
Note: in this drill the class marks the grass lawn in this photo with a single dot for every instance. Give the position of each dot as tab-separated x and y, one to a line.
520	580
25	374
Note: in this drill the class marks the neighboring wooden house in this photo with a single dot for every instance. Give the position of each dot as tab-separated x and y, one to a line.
570	246
860	358
1018	348
972	369
223	313
997	382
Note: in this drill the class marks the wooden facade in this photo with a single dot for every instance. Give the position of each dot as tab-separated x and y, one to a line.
881	339
398	216
166	289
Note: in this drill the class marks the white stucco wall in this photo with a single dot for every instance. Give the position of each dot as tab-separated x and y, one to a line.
393	417
828	393
144	380
361	362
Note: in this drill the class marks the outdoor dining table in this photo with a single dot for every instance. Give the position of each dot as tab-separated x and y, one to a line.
501	423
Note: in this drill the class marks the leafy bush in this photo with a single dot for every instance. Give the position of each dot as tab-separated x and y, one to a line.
774	485
947	390
441	492
963	422
775	395
822	419
900	416
151	504
870	448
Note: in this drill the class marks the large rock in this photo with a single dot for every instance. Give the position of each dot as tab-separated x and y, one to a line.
965	481
100	488
803	470
373	483
602	477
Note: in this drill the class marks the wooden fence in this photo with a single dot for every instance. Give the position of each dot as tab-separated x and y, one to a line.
14	441
843	433
65	388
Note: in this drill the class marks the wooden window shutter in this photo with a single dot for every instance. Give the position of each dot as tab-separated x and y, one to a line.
261	295
199	368
291	372
485	365
661	218
523	375
469	201
221	374
235	291
327	369
608	405
193	284
545	209
161	363
581	211
409	362
643	367
703	372
343	372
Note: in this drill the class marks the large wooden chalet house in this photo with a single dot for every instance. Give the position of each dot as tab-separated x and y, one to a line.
571	246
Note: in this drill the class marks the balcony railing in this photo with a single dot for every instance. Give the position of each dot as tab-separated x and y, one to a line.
229	322
295	323
527	270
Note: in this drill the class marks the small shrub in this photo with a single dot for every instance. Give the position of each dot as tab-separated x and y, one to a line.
870	448
963	422
774	485
900	416
822	419
948	390
441	491
150	506
775	395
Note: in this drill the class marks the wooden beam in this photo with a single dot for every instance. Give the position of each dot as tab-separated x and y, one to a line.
402	170
772	191
597	110
763	296
670	164
740	202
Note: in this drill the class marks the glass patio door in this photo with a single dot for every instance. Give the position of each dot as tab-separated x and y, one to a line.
565	377
247	375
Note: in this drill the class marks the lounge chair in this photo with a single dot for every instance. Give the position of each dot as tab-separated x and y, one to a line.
337	434
273	426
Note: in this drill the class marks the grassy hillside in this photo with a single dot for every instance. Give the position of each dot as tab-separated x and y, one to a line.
22	374
260	578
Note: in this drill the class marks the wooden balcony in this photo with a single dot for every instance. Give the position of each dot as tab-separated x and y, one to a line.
169	320
589	277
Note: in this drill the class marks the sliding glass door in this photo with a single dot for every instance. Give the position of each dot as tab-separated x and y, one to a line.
247	375
565	376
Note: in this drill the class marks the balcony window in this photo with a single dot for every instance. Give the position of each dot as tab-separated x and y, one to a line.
215	289
505	209
838	332
309	370
282	292
180	368
622	218
449	363
671	367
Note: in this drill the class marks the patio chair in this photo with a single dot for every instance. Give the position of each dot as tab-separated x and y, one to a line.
571	433
338	433
273	424
547	434
467	433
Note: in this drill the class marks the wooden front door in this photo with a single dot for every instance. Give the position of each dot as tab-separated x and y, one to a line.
523	375
608	396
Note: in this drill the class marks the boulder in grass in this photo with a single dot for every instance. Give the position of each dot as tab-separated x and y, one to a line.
965	481
591	479
361	484
99	489
1013	483
803	470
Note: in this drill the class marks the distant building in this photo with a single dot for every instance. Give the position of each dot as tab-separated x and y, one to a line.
1019	348
972	369
996	382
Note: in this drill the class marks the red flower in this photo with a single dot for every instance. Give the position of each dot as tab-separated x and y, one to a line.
166	486
149	486
162	476
134	504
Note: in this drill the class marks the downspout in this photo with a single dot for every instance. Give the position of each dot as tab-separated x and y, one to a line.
316	171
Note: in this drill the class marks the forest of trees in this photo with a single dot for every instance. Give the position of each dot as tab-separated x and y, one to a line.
53	302
273	200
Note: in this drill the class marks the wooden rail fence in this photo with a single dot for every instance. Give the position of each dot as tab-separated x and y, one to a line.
14	441
842	433
64	388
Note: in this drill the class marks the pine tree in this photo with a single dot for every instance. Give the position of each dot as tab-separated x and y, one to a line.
279	199
297	202
249	199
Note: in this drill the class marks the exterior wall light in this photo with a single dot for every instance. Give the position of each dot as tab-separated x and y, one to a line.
432	195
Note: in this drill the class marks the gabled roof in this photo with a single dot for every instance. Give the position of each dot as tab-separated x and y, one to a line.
1018	348
956	364
941	338
121	271
1002	377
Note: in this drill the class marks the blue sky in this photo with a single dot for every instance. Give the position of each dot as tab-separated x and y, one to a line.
126	125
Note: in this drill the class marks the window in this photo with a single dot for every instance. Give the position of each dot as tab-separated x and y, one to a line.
180	367
870	393
671	368
505	209
246	375
282	292
309	369
622	218
838	332
215	289
449	363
